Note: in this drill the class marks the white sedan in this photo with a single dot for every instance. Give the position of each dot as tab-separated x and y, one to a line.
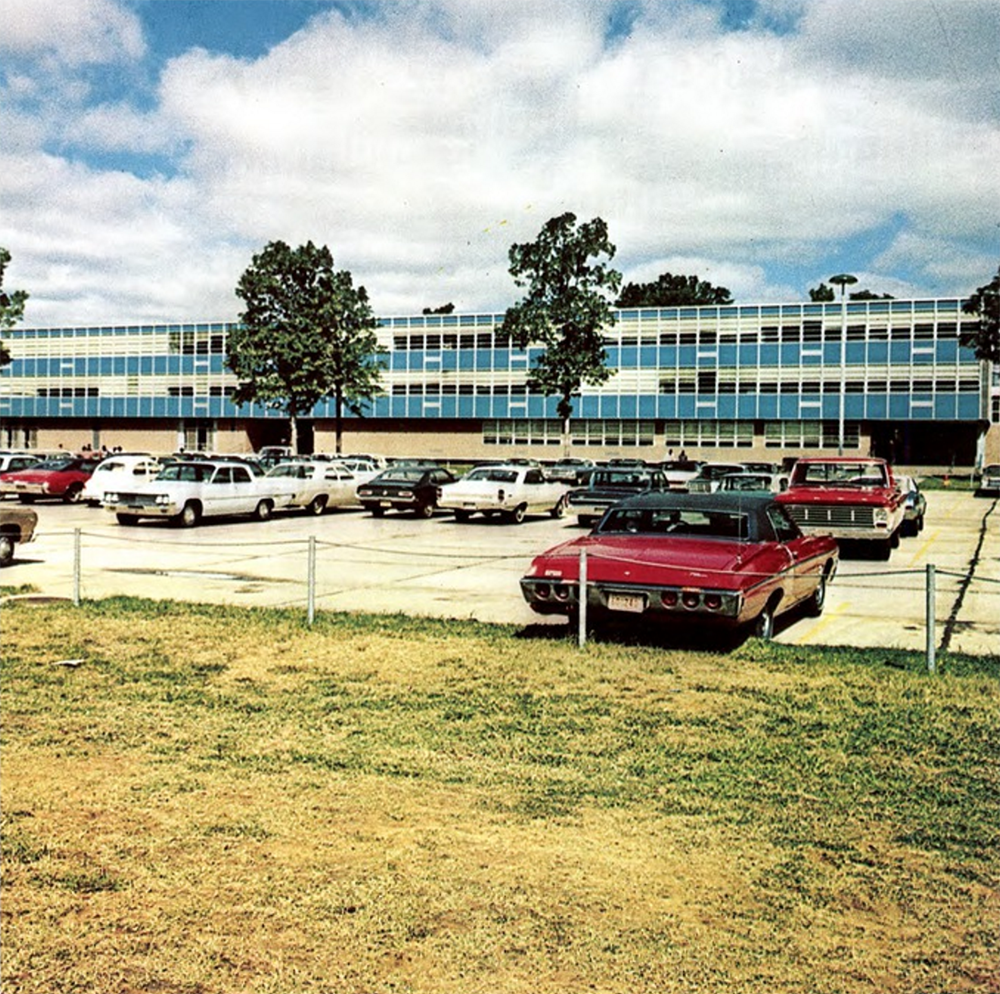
119	472
313	485
511	491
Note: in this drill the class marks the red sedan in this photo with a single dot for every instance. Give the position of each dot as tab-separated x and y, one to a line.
732	559
62	477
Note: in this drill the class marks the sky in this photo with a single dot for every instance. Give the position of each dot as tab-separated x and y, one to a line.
148	148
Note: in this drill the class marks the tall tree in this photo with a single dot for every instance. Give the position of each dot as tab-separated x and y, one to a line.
306	335
565	308
822	293
11	306
673	291
985	304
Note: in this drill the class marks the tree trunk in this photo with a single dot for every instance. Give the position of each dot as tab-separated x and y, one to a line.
338	416
293	434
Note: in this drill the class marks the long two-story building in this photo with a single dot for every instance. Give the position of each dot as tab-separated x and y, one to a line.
889	377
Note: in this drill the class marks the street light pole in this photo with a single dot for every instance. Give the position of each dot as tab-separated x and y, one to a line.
843	280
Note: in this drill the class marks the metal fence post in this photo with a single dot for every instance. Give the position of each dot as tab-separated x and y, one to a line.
931	622
581	634
76	567
311	581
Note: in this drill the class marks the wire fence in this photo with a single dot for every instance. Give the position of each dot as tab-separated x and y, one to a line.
222	557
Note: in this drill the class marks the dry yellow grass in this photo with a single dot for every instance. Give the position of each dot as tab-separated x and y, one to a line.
221	801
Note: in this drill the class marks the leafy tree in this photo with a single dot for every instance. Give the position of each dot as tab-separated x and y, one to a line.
565	309
868	295
822	293
11	306
673	291
985	303
306	335
443	309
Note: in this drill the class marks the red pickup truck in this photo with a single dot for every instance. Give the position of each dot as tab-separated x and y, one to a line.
850	498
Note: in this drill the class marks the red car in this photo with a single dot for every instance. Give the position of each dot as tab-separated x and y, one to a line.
62	477
730	559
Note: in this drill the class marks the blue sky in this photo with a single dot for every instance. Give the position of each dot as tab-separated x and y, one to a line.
152	146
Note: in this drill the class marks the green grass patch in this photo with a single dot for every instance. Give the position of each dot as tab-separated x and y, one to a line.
221	799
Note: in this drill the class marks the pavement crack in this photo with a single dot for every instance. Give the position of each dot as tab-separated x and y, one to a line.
952	624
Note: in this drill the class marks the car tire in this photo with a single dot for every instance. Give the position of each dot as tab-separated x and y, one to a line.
919	524
516	516
817	600
425	511
73	493
462	516
6	550
317	505
884	549
763	626
378	512
189	516
263	511
585	520
559	510
26	498
127	519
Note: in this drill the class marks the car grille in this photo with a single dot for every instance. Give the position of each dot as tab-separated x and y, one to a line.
837	515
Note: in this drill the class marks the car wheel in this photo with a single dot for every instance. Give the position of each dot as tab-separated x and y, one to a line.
516	516
263	511
190	516
127	519
425	511
817	601
559	510
6	550
763	627
26	498
585	520
884	550
462	516
919	525
378	512
73	493
317	505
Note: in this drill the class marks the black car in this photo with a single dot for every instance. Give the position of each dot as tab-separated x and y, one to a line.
405	488
610	484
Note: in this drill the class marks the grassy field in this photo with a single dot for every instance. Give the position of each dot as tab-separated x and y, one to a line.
201	800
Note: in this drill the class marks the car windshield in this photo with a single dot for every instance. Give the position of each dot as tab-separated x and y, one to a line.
676	522
738	482
55	464
493	475
618	478
402	476
842	474
189	472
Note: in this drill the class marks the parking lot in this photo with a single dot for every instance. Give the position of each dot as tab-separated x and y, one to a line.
445	569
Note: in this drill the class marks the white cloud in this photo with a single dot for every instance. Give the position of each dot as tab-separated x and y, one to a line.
420	144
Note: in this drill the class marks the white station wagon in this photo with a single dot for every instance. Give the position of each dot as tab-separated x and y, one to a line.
186	492
313	485
511	491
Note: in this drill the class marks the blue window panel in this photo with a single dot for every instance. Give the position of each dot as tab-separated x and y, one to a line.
628	407
159	407
398	407
726	407
448	407
145	367
613	356
687	355
748	355
666	406
667	356
878	352
589	407
788	406
131	407
628	357
647	406
466	407
899	352
483	407
449	359
830	405
501	407
729	355
608	407
966	354
947	350
855	354
923	358
380	407
789	354
854	407
217	364
648	356
812	360
899	405
968	406
768	355
484	358
767	406
686	406
398	360
501	358
746	406
467	360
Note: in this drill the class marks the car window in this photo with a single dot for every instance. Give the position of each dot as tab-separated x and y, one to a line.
223	475
679	523
534	476
241	474
785	529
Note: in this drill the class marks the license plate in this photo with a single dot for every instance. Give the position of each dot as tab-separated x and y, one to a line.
385	503
635	603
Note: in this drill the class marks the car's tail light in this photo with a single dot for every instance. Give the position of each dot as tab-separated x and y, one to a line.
542	590
562	592
691	599
501	495
669	598
713	601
